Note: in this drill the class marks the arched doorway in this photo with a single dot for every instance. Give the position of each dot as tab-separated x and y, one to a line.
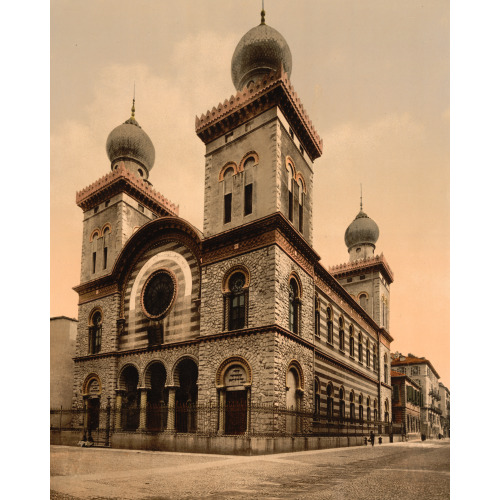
156	377
186	397
130	402
233	379
294	390
92	406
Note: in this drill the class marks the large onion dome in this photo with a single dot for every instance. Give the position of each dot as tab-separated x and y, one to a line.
361	231
129	142
261	50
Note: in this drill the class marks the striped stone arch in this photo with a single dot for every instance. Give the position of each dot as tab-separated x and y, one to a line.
289	161
146	375
92	383
91	315
239	268
300	177
106	226
250	154
95	233
295	276
227	364
226	167
294	364
175	373
120	381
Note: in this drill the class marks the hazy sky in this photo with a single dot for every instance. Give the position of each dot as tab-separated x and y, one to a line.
373	76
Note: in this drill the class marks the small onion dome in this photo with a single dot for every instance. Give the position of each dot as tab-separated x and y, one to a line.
361	231
261	50
129	141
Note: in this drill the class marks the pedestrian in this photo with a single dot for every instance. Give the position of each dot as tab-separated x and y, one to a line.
372	438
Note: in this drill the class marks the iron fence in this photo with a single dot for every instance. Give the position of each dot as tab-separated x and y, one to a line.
98	424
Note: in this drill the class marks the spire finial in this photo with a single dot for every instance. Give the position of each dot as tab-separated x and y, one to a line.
262	14
133	105
361	199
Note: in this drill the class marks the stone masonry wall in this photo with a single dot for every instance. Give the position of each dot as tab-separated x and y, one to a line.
261	266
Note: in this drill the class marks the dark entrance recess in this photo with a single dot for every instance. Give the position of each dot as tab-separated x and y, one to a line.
93	407
236	412
130	401
186	397
155	420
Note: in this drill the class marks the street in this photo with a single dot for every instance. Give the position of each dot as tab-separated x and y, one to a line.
400	470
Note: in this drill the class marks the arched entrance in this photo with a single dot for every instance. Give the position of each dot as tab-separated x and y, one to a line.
92	405
130	400
294	390
155	378
234	380
186	397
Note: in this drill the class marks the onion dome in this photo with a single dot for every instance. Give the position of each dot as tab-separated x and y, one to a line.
361	231
129	142
261	50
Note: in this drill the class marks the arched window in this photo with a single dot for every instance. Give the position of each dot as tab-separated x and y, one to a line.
301	205
367	353
386	410
351	341
248	201
289	173
317	317
341	333
342	403
363	301
375	411
329	324
352	407
228	194
237	301
317	401
329	402
360	347
105	234
386	370
95	333
368	409
375	365
294	305
360	400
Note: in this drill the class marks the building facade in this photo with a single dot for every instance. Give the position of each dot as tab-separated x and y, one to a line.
406	401
444	406
185	331
421	371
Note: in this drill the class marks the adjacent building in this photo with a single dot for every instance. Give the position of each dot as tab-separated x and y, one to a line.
406	402
421	371
444	406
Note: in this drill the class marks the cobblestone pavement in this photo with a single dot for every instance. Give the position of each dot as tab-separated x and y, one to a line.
414	470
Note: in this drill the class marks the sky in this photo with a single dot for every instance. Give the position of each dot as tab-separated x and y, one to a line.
372	75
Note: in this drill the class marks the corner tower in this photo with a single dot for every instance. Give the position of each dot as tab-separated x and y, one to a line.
260	143
120	202
367	277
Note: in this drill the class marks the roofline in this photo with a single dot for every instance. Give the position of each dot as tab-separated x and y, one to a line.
419	362
63	317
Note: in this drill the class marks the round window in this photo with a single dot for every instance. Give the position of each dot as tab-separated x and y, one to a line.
158	294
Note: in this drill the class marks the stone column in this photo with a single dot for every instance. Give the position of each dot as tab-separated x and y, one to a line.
143	408
118	409
222	411
171	408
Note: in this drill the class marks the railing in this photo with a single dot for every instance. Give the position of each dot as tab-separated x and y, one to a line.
98	424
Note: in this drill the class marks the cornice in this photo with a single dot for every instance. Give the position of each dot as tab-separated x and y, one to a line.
352	268
272	90
199	340
269	230
122	180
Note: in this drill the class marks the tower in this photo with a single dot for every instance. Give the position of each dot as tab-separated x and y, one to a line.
120	202
367	277
260	143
